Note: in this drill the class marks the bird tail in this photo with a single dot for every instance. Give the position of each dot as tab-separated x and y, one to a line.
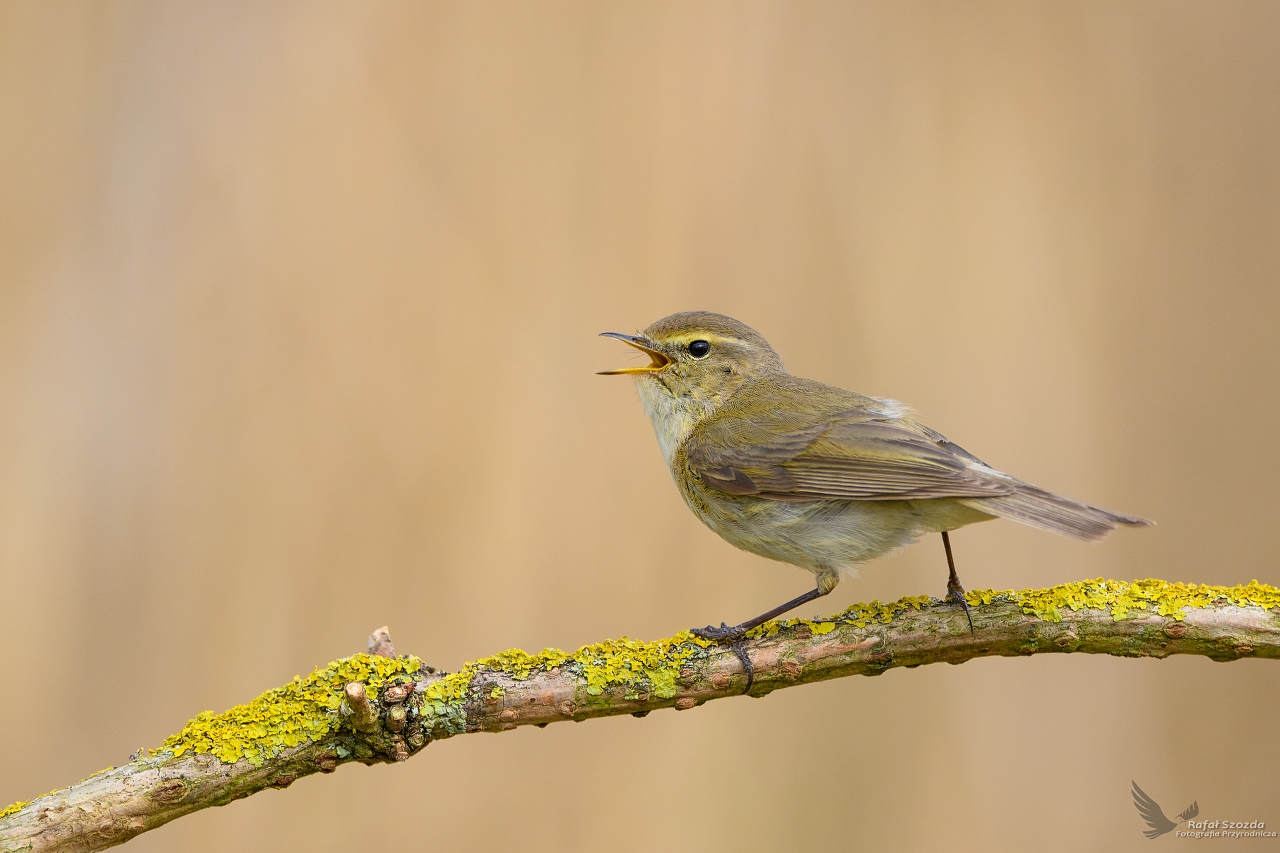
1035	507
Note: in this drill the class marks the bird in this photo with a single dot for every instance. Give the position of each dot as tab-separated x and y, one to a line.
813	475
1154	815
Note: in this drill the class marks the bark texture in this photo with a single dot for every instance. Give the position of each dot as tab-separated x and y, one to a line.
392	717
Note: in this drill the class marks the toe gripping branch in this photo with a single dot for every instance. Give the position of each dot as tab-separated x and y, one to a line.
740	649
735	638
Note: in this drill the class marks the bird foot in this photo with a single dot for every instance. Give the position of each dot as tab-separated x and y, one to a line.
719	635
732	636
955	594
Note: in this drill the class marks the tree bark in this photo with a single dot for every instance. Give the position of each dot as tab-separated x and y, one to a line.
397	706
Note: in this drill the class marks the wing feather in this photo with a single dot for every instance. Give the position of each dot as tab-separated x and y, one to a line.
805	441
851	455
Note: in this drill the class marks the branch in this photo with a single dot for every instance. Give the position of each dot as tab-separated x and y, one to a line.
375	708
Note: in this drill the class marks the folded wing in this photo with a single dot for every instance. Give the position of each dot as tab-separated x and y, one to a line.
872	454
855	455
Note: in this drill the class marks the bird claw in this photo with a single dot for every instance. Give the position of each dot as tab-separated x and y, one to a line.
740	650
955	594
719	635
732	636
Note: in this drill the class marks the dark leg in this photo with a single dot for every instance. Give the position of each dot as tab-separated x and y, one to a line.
733	634
955	592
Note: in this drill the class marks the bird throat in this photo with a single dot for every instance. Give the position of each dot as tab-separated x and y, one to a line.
673	415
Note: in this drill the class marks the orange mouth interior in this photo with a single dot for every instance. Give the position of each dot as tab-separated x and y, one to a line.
657	361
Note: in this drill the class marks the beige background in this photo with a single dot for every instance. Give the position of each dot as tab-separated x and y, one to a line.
298	305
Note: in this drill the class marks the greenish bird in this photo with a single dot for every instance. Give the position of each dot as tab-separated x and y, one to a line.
813	475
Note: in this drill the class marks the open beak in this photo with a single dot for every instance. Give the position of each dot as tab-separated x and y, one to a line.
657	360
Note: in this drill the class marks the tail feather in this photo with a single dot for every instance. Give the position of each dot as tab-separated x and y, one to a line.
1035	507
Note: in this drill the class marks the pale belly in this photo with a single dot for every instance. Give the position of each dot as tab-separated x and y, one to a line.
826	537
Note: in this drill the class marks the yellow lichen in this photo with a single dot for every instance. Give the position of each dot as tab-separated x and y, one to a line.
14	808
632	665
1116	597
855	614
1119	598
305	709
625	663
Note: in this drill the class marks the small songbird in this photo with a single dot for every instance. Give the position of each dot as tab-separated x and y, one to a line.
813	475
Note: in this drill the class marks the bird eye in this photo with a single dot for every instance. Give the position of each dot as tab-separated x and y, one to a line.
699	349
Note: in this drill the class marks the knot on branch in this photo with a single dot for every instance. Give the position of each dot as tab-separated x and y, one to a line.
389	725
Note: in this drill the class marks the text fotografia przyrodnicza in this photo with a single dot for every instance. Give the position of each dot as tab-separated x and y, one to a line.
1225	829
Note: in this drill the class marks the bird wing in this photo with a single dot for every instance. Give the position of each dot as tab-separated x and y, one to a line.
1190	811
796	454
1151	813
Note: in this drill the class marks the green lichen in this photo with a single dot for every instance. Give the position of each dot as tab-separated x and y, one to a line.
304	710
634	666
1120	598
856	614
653	667
1116	597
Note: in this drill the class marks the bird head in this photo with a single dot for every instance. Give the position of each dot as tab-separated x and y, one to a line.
698	355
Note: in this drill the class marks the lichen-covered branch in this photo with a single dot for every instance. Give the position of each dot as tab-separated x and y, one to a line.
379	708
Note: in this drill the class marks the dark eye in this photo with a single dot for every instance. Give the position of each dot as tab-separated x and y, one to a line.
699	349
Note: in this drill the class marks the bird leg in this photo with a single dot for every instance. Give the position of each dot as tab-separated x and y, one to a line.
955	592
733	634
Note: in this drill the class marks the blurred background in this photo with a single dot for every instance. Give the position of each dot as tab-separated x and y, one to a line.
298	316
